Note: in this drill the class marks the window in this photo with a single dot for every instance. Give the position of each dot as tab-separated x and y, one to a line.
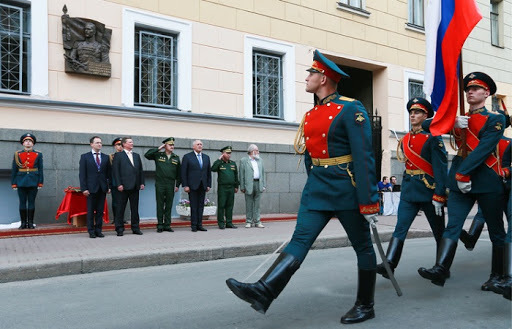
416	89
413	87
354	6
416	13
14	48
496	103
156	71
352	3
496	23
267	85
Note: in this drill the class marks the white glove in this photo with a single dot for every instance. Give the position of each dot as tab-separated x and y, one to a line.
461	122
371	218
464	187
438	206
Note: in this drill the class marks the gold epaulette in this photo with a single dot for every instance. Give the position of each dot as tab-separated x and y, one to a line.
346	99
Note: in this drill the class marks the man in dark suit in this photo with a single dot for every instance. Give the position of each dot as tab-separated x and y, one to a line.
95	171
129	178
196	179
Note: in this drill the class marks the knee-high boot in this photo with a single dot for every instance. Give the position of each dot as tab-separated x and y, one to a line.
504	286
392	255
23	217
470	237
30	218
261	294
440	272
363	308
496	268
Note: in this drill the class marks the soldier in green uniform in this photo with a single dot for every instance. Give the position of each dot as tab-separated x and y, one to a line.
227	187
167	181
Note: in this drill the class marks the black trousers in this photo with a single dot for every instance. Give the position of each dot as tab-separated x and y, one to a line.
95	205
196	198
133	196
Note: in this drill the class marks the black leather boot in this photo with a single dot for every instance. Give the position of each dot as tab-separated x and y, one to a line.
261	294
30	217
496	268
440	272
23	218
392	255
471	237
363	308
506	281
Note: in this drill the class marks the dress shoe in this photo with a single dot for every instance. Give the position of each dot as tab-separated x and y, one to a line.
221	227
248	225
125	221
138	232
159	230
168	229
119	233
92	235
194	229
202	229
100	235
259	225
231	226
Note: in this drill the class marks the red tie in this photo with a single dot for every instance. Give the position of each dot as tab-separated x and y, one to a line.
98	160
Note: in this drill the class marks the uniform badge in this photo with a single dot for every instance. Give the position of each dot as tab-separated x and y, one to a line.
441	144
498	126
360	118
472	76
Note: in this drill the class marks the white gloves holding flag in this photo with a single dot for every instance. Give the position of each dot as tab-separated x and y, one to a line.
464	187
461	122
438	206
371	218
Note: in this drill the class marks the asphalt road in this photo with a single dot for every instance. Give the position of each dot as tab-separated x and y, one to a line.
194	295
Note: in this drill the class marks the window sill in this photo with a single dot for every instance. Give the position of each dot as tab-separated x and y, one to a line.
353	10
415	28
498	46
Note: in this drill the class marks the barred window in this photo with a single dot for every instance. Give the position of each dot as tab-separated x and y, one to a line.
416	89
267	85
352	3
416	13
14	48
156	73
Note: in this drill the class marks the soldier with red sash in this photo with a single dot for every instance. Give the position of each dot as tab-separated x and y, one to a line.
476	177
423	186
335	137
27	178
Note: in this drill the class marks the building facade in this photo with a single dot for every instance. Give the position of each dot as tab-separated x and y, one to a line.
224	71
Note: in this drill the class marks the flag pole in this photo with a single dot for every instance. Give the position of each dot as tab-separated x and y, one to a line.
462	110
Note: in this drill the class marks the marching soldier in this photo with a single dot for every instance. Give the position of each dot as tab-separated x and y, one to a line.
167	181
476	177
27	178
227	180
118	147
423	186
335	137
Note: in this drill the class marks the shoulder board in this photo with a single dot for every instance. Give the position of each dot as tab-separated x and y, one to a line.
493	112
346	99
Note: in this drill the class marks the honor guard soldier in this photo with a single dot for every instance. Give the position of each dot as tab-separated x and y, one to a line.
475	175
227	186
27	178
335	137
118	147
423	186
167	181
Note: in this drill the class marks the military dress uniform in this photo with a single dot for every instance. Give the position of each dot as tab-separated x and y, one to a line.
114	192
483	170
335	137
425	159
227	182
27	177
167	178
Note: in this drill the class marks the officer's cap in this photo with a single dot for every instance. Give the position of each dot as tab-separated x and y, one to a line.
421	104
226	149
322	64
117	140
480	79
169	140
27	136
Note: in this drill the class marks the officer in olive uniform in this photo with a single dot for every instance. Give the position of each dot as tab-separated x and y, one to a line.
335	137
227	180
118	147
423	186
27	178
476	177
167	181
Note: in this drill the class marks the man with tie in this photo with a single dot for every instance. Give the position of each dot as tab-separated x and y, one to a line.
129	177
196	179
94	174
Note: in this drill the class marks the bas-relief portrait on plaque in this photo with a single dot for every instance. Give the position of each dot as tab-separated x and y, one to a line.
87	45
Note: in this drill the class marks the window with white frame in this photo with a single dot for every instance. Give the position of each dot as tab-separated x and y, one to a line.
267	85
416	13
496	16
416	89
156	73
352	3
15	47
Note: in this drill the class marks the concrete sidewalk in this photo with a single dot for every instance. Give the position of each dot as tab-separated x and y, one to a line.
35	257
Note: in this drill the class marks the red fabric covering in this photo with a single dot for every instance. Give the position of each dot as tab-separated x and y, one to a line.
75	204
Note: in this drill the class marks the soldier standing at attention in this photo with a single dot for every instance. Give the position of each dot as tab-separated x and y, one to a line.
476	177
166	183
423	186
118	147
227	180
335	137
27	178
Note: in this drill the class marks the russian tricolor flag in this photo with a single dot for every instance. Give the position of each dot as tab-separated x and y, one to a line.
447	26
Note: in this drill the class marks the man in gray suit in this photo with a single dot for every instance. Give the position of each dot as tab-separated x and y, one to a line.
252	184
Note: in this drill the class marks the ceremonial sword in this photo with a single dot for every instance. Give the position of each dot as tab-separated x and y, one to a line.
384	259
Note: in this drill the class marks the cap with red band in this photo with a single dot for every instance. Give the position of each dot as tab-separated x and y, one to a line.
322	64
479	79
